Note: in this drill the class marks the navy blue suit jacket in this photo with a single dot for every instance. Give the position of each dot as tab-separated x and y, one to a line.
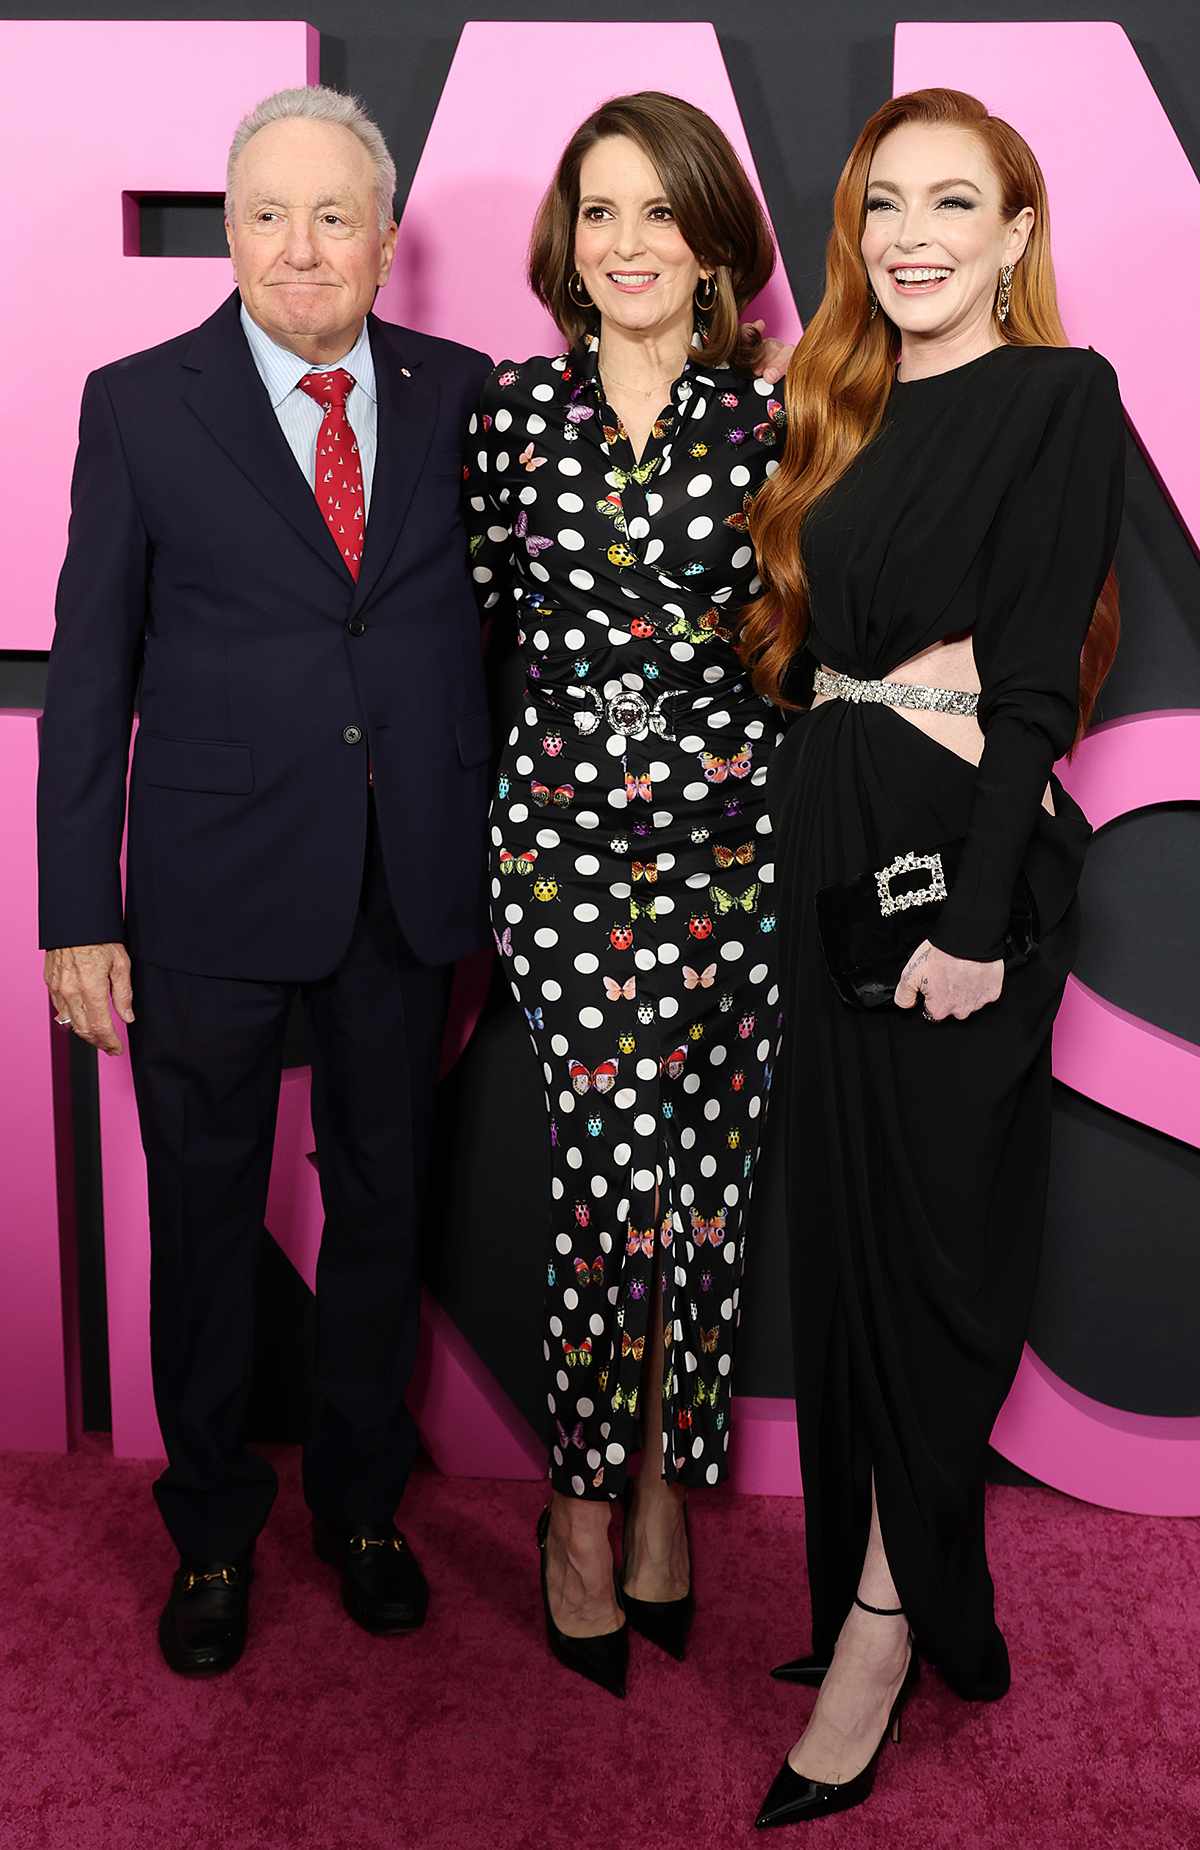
198	561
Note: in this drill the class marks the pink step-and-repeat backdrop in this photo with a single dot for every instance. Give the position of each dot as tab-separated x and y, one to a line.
124	126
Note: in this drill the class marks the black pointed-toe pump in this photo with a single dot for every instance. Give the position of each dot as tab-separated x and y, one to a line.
603	1659
793	1799
664	1622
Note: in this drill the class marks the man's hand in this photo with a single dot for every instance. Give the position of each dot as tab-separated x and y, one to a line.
770	356
80	979
948	985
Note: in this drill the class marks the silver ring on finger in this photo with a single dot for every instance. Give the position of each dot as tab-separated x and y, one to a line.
62	1021
925	1015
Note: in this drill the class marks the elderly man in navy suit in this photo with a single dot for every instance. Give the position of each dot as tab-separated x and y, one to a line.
265	535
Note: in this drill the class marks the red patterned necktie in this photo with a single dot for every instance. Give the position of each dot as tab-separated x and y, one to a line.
338	483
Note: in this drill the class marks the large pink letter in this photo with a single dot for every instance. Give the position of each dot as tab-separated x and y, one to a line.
33	1346
1118	181
112	107
492	151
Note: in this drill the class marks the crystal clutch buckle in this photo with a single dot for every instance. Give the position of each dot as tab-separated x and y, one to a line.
931	864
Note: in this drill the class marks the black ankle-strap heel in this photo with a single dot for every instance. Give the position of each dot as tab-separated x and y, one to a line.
793	1799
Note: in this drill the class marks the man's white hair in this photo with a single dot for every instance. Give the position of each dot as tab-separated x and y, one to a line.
318	103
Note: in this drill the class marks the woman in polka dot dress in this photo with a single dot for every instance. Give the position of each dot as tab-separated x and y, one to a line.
631	874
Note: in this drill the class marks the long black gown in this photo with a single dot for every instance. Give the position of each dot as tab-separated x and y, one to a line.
917	1152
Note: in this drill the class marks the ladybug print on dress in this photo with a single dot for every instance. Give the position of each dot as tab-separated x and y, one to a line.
630	844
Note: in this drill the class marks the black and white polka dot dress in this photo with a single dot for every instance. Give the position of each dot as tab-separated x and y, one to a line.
631	878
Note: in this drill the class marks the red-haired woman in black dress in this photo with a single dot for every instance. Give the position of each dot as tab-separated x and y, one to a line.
935	543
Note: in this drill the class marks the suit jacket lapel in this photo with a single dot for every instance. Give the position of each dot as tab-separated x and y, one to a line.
225	392
407	406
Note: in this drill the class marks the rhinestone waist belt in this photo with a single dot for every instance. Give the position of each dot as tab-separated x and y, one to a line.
895	694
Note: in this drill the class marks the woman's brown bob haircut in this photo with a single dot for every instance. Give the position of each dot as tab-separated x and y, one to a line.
714	204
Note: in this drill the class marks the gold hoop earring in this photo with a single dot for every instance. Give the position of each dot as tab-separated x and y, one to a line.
704	303
1002	300
581	301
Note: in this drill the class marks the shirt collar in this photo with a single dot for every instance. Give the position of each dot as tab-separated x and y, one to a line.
281	370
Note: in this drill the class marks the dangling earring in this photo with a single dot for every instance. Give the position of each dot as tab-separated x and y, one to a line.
874	305
705	302
1002	300
581	299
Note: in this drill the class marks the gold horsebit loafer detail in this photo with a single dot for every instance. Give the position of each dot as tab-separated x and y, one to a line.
228	1575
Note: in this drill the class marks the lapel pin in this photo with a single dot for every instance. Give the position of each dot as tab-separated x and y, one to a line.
406	372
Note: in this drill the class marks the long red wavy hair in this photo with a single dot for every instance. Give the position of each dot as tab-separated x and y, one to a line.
841	374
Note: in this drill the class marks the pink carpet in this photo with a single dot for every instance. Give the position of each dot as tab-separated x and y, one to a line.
468	1737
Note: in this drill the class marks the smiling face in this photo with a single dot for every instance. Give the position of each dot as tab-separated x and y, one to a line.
935	236
304	236
629	251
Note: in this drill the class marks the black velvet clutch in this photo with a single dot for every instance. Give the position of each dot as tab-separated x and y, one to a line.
871	927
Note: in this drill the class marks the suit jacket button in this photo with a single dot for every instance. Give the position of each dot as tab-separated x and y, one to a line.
356	626
353	735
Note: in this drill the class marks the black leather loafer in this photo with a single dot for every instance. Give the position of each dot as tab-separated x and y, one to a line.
383	1588
202	1630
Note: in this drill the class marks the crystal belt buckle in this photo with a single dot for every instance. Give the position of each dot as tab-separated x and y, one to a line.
628	713
931	864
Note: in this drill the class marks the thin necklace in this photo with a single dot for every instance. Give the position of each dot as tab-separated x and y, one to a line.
666	378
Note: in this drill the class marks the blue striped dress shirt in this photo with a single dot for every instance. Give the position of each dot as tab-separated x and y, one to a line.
300	416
